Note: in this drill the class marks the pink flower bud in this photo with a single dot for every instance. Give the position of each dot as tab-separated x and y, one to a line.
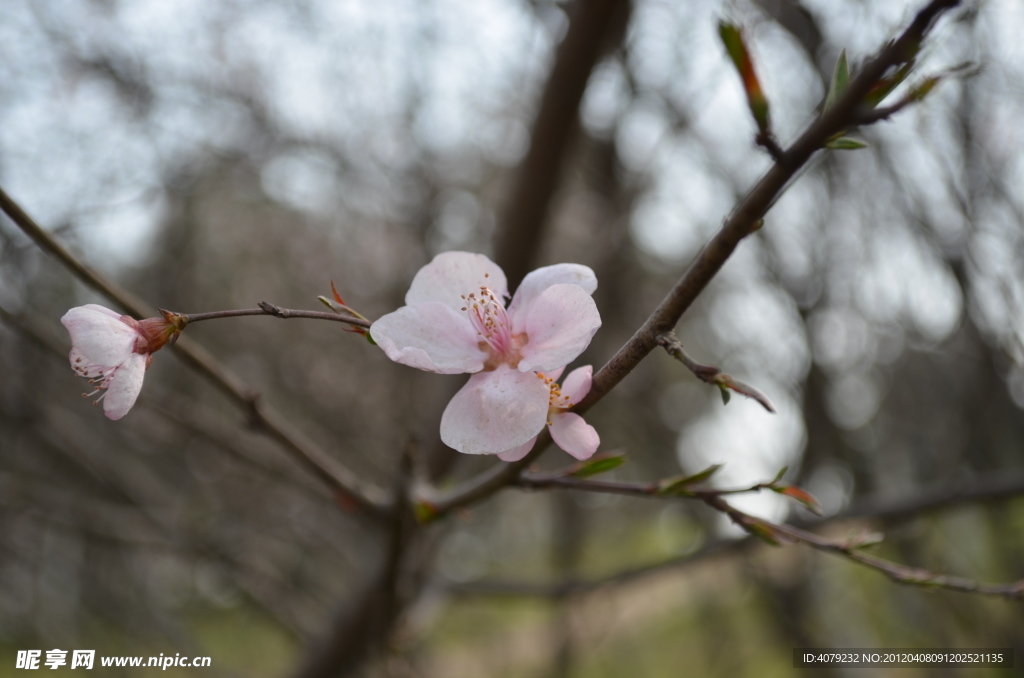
113	351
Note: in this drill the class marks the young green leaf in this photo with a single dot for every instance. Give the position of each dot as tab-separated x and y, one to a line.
845	144
840	80
725	381
599	463
679	484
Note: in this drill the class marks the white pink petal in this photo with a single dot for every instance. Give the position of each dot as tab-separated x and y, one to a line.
430	336
495	411
577	385
574	435
124	386
539	280
559	324
453	274
517	453
99	335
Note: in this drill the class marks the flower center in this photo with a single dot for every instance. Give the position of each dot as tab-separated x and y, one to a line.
491	321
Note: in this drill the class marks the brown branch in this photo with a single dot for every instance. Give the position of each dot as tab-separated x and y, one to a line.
538	481
342	481
746	217
186	414
266	308
361	629
554	128
710	374
852	550
744	220
991	488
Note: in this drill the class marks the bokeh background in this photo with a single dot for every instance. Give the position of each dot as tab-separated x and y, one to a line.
212	155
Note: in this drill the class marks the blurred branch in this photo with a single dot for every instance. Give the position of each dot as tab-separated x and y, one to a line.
745	218
339	479
537	178
100	519
184	413
632	489
990	488
592	29
364	627
851	549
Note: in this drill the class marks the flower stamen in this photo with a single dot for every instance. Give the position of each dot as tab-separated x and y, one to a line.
490	319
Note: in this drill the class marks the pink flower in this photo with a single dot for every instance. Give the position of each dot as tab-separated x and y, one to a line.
455	322
114	350
568	429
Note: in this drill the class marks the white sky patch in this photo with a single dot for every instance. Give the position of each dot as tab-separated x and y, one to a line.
866	25
792	228
121	234
605	97
505	142
479	51
654	34
304	180
752	444
456	225
853	399
841	338
910	283
684	207
760	334
643	127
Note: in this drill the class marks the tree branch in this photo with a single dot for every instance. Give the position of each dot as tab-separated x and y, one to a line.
990	488
360	629
710	374
744	220
267	308
537	178
342	481
851	549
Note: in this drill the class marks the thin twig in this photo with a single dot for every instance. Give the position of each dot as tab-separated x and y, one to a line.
851	549
521	224
342	481
267	308
990	488
770	144
537	481
744	220
360	630
710	374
